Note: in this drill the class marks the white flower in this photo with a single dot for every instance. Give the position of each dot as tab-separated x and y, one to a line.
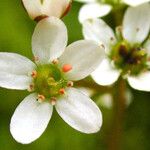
95	8
38	9
127	52
50	80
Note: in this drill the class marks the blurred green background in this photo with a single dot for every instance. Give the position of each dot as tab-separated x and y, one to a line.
16	30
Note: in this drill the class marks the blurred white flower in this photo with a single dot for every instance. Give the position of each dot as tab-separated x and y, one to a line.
50	80
100	8
106	100
38	9
127	52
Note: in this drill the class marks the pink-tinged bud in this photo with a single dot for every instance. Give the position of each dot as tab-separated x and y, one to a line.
53	101
70	84
66	68
62	91
34	74
67	9
39	9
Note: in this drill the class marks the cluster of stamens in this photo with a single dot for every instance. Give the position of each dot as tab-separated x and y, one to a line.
130	59
49	82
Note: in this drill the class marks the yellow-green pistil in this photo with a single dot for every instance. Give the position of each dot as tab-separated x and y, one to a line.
130	59
49	81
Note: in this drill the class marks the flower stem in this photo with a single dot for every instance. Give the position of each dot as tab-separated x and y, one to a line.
115	136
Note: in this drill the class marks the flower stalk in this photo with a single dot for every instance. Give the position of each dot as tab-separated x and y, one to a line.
118	115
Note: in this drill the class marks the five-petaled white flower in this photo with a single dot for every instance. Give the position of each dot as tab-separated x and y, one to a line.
100	8
50	81
127	52
38	9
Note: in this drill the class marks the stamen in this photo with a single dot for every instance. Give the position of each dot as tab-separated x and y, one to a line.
62	91
31	88
34	74
53	101
66	68
36	58
102	45
70	84
138	61
123	51
111	38
55	61
41	98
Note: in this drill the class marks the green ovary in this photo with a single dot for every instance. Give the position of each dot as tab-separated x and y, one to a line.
49	81
130	59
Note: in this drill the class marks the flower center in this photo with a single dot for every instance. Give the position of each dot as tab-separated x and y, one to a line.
130	59
49	81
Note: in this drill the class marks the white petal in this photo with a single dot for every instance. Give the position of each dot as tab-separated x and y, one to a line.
14	81
79	111
30	119
85	1
135	2
36	8
140	82
105	74
99	31
84	56
14	71
136	24
49	39
93	10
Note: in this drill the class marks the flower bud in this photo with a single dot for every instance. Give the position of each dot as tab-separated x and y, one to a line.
39	9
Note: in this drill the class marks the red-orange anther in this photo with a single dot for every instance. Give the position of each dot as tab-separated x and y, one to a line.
34	74
70	84
62	91
41	97
66	68
36	58
53	101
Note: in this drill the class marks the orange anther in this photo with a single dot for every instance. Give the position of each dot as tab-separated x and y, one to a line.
66	67
62	91
55	61
31	87
70	84
53	101
41	98
36	58
34	74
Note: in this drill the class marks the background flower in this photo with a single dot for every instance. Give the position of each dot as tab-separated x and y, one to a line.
135	30
95	8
